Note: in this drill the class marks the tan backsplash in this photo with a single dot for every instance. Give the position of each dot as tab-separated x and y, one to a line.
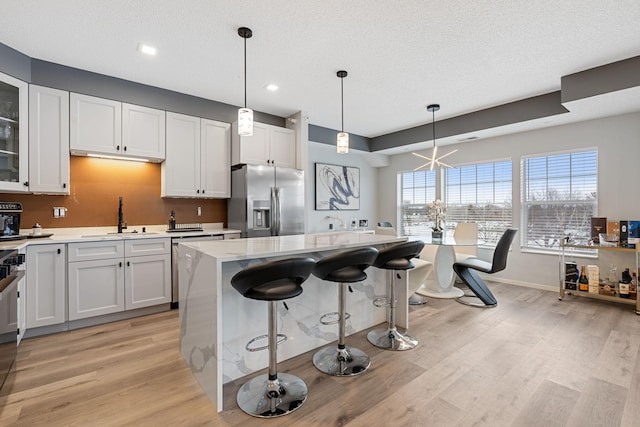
95	187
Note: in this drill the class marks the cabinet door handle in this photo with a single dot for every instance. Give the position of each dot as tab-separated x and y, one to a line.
125	148
59	251
26	183
128	263
120	264
198	191
117	148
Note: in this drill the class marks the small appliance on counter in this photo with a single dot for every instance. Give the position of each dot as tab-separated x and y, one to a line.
10	221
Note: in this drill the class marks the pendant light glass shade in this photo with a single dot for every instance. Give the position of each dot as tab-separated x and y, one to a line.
245	122
245	115
342	142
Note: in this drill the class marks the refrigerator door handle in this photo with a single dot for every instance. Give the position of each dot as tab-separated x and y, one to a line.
278	210
272	220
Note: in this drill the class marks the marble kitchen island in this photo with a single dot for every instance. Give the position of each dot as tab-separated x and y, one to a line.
216	322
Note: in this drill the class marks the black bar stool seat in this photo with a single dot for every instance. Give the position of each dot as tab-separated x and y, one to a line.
272	395
394	258
343	268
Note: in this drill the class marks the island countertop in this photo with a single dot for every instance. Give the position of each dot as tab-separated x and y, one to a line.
256	247
216	322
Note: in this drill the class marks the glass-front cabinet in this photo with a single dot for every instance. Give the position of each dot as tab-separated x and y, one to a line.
14	126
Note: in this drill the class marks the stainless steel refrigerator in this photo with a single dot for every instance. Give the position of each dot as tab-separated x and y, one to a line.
266	201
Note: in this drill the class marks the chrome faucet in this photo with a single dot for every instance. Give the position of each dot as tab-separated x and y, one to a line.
121	224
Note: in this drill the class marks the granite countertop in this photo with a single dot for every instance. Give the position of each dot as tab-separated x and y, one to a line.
229	250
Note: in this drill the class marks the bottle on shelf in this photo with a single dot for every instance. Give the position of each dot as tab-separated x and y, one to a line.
633	285
583	282
625	282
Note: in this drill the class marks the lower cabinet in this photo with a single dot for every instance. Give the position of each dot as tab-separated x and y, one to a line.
112	276
46	297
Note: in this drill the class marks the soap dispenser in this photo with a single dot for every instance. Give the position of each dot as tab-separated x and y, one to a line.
172	220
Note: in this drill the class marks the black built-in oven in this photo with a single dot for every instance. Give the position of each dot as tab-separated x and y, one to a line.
10	275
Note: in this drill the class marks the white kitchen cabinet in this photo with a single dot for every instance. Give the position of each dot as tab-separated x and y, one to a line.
22	308
48	140
46	285
269	144
143	132
14	134
96	125
113	276
106	127
95	288
197	163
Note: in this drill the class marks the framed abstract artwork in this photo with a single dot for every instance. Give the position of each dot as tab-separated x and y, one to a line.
337	188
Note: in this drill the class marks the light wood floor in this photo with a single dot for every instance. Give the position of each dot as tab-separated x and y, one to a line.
532	361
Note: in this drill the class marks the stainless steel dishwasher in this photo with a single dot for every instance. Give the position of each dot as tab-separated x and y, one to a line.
175	286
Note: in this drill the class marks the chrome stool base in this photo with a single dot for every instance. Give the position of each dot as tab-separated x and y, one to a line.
391	339
416	299
266	398
345	362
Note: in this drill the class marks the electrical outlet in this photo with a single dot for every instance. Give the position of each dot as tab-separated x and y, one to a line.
59	212
199	211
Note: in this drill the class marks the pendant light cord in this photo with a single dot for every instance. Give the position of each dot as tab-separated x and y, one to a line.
245	72
342	102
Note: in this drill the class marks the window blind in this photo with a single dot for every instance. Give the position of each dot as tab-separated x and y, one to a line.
418	190
559	197
480	193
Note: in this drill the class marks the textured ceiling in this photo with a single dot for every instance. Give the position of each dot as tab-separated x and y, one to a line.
400	55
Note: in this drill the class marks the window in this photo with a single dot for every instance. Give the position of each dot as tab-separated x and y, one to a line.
418	190
559	197
480	193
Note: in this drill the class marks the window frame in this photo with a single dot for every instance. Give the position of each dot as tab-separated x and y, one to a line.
491	243
525	203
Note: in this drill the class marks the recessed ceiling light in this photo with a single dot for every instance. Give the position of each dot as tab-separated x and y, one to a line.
271	87
146	49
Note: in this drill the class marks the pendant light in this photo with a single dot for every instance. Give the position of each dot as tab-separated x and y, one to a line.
342	143
434	160
245	115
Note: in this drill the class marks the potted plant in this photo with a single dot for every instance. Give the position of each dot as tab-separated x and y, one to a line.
436	212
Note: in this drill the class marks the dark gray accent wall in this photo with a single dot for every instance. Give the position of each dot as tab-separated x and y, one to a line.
328	136
600	80
58	76
514	112
14	63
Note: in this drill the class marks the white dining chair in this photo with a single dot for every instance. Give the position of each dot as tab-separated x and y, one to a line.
466	231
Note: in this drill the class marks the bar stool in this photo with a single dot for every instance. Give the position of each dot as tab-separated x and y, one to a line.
343	268
394	258
272	395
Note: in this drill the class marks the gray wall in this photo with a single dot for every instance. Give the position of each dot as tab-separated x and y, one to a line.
322	153
617	139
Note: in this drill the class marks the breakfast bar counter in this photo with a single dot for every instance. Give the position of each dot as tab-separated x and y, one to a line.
216	322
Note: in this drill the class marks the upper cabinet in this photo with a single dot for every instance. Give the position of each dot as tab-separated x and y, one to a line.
197	163
48	140
143	131
102	126
14	134
271	145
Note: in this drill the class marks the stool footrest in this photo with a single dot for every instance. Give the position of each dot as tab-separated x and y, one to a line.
281	338
324	317
382	302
